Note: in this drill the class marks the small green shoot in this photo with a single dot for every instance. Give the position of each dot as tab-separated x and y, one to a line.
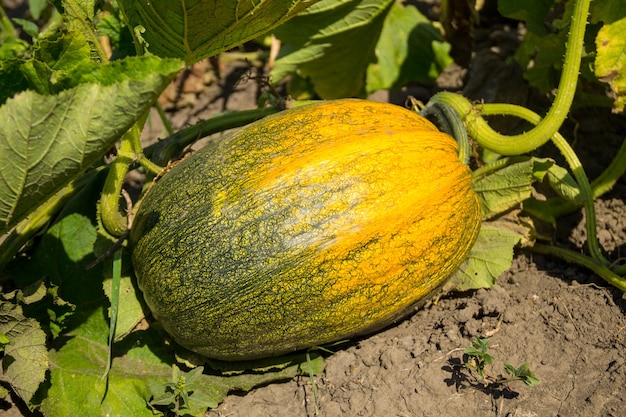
522	373
175	395
477	359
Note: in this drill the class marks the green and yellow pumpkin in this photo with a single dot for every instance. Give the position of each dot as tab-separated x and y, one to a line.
316	224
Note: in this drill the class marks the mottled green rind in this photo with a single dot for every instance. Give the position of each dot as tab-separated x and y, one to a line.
306	227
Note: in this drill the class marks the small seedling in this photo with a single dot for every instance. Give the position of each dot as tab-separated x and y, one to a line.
175	394
522	373
478	357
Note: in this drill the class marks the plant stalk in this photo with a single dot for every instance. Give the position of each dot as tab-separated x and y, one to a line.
574	163
570	256
169	148
480	130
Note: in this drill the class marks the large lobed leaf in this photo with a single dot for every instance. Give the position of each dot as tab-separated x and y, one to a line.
46	141
409	49
141	368
490	256
332	43
197	29
502	193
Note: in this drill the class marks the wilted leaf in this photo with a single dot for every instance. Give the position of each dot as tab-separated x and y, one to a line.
490	256
46	141
200	29
410	48
332	43
610	64
25	359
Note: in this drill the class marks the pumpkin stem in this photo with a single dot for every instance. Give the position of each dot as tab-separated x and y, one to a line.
449	121
574	163
540	134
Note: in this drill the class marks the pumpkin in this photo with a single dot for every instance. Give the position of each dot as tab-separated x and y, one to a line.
313	225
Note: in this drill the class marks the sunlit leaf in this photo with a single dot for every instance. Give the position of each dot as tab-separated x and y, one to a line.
610	63
46	141
332	43
199	29
504	188
490	256
77	366
130	310
410	48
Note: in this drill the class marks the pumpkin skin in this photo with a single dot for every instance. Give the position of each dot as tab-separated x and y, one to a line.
309	226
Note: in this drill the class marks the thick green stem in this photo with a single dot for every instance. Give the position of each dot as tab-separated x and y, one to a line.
572	160
449	121
162	152
514	145
569	256
114	222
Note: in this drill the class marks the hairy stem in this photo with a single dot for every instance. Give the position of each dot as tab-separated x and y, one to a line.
114	222
574	163
514	145
162	152
570	256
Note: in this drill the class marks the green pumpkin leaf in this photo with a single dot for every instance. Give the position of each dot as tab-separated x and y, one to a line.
501	189
533	12
56	57
130	310
564	184
542	50
410	48
332	43
76	375
141	373
25	358
200	29
490	256
49	140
